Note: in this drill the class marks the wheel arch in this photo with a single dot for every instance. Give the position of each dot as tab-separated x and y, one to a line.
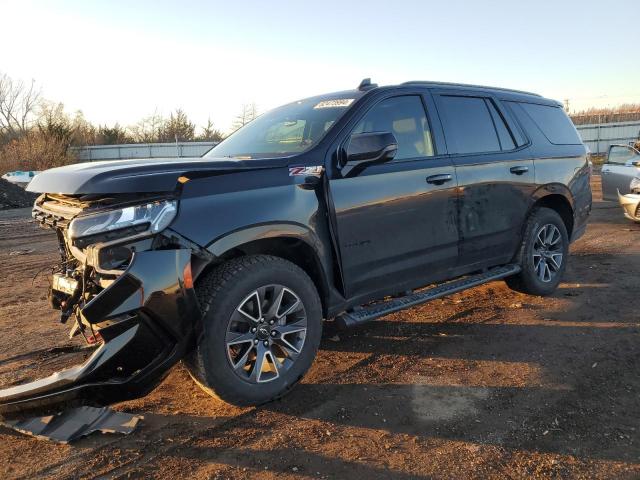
557	197
292	242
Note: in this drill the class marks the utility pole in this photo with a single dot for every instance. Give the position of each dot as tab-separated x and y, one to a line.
566	105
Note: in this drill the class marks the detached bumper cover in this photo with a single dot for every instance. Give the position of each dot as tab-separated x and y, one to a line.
147	319
70	425
629	204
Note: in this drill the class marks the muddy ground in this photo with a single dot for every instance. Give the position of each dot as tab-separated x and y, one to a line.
484	384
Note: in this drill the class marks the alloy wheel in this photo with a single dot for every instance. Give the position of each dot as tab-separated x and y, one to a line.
266	333
547	254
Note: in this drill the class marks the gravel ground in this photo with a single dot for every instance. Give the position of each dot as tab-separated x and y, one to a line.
488	383
13	196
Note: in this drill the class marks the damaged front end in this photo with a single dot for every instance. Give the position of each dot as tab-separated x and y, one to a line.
630	204
125	281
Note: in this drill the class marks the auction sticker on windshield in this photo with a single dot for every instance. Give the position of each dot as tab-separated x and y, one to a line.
336	103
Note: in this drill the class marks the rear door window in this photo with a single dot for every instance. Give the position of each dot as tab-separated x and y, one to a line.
470	126
553	123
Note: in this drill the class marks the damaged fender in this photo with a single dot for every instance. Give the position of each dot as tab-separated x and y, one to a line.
148	319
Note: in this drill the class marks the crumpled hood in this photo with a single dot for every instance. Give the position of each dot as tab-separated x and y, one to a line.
136	175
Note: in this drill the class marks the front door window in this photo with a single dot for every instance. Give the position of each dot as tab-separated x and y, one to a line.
405	117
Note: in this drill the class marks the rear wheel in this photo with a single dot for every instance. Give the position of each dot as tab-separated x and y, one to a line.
262	324
542	255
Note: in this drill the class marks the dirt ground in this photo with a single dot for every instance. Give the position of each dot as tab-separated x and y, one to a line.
13	196
488	383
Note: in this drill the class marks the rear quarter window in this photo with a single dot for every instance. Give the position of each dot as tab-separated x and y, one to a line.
553	123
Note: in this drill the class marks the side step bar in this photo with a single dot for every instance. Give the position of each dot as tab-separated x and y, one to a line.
366	314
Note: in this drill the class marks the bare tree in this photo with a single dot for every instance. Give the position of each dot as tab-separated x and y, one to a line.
18	103
248	113
148	129
84	133
54	122
44	145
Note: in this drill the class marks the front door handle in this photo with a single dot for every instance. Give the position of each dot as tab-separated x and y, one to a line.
440	179
519	170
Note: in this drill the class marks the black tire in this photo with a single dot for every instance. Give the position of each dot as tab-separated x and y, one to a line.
221	293
530	253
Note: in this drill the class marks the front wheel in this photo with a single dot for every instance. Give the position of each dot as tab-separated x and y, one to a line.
542	254
262	324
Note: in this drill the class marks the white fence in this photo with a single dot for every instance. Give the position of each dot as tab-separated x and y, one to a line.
598	137
143	150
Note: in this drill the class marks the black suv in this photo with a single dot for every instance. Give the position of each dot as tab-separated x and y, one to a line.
333	207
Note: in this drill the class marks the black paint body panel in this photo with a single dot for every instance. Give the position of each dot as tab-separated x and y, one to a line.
136	176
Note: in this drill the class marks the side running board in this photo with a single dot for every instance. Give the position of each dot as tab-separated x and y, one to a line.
366	314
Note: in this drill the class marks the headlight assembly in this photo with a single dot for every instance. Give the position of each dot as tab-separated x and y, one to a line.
151	217
634	186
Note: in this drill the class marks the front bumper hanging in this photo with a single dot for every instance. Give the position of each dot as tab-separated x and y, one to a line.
630	204
147	319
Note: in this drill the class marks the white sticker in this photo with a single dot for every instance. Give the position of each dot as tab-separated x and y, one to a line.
336	103
315	171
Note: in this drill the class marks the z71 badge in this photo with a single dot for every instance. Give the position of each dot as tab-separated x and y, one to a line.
315	171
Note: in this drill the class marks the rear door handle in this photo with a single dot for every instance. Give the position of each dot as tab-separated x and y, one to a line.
519	170
439	179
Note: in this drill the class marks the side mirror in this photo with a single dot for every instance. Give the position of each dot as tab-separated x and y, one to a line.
369	148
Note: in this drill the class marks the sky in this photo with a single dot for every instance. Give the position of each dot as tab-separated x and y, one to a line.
119	61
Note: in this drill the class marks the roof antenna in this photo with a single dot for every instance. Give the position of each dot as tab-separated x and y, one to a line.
366	84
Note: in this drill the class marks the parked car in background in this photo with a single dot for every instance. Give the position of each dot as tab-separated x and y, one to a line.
621	179
341	206
19	177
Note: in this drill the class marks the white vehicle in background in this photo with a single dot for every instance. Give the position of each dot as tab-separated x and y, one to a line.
19	177
621	179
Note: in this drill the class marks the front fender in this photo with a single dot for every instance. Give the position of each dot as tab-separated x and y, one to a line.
260	232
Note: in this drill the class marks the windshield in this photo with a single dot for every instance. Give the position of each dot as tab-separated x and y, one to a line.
284	131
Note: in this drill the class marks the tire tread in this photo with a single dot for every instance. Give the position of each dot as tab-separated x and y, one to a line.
208	289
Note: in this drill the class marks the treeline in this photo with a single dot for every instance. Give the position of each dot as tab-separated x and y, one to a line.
627	112
36	134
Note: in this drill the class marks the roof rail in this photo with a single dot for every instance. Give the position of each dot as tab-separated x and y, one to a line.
449	84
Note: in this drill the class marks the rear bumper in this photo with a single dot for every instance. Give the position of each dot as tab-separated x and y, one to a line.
629	204
148	320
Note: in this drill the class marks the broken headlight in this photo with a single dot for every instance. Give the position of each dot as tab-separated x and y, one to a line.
634	186
124	222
